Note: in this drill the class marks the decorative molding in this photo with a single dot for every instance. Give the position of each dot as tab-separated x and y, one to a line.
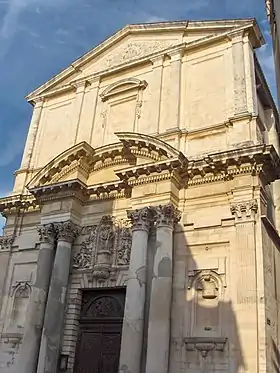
6	242
167	215
245	209
122	86
205	344
106	248
47	233
142	219
66	231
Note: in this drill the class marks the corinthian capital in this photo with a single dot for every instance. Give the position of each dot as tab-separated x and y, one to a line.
168	215
6	242
141	219
66	231
46	232
245	209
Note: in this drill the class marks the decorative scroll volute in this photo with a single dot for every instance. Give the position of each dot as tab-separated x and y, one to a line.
66	231
168	215
6	242
141	219
47	233
244	210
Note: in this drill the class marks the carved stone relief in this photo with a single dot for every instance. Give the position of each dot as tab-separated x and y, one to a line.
131	51
106	247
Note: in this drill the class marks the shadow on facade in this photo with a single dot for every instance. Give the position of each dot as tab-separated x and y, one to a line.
201	316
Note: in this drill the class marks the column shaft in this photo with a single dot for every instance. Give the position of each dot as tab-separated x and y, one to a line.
28	355
132	332
161	293
55	309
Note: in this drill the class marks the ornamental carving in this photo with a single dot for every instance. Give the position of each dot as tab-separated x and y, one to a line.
244	210
141	219
6	242
107	246
66	231
131	51
47	233
125	242
168	215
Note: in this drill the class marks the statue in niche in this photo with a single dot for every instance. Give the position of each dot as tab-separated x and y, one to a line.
105	240
106	235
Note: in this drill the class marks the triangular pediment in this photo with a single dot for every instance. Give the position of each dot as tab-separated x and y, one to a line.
137	42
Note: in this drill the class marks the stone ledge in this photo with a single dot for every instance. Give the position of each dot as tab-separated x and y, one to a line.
205	344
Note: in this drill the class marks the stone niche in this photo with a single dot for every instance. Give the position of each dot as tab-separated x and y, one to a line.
206	288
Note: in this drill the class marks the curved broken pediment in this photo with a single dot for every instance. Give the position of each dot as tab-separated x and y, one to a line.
104	164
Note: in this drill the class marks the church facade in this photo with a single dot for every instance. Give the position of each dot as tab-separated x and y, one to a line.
142	231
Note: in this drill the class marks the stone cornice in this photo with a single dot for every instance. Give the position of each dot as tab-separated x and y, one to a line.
254	160
17	203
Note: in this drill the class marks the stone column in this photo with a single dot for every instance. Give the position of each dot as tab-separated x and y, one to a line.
28	354
32	133
132	332
161	293
55	309
240	96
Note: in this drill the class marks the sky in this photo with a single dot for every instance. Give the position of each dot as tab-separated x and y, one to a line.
39	38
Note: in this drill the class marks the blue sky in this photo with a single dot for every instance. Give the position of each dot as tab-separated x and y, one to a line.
38	38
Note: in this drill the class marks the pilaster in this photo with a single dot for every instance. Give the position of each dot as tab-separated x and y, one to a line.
78	104
240	96
175	88
246	300
32	133
156	91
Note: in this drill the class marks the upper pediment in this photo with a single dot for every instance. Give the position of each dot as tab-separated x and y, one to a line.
136	42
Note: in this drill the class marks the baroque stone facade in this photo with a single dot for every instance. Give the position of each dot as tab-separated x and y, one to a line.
144	238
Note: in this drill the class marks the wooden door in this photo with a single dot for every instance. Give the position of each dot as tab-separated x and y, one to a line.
99	340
